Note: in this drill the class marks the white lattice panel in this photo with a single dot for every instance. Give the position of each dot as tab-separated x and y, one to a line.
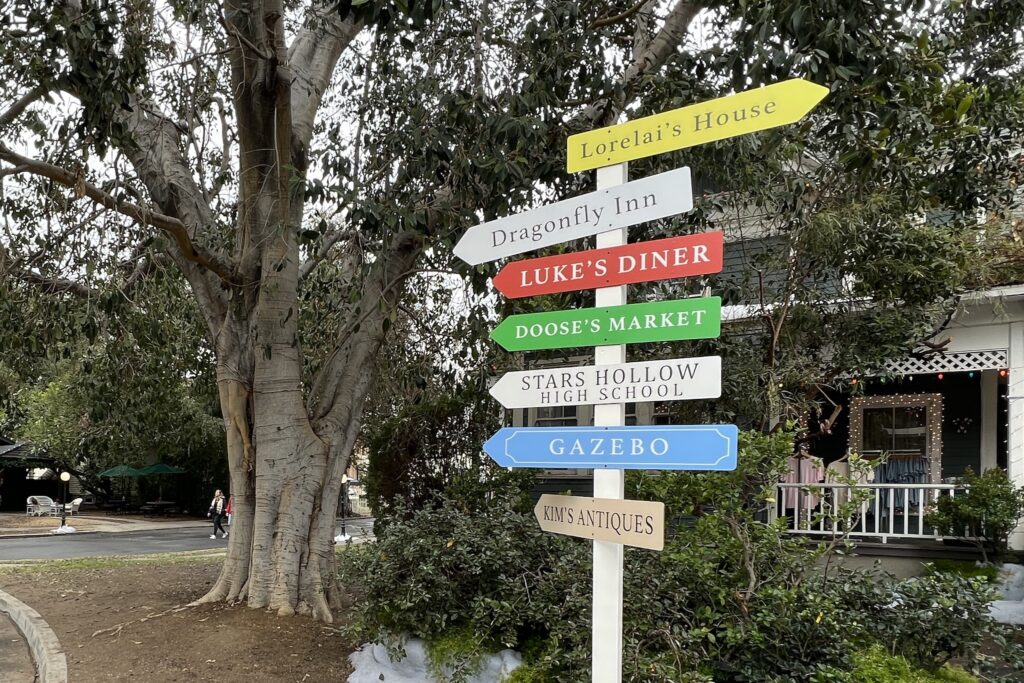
948	362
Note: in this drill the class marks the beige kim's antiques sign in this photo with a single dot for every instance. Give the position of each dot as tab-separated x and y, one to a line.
631	522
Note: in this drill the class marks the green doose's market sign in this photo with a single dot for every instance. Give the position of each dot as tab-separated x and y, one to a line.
630	324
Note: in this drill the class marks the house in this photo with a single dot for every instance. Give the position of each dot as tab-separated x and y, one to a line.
18	470
934	415
26	472
953	405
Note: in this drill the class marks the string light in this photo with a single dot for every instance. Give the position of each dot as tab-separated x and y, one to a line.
932	403
853	381
1002	373
971	375
941	375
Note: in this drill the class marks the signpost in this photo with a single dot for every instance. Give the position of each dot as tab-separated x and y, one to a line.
664	259
674	320
606	608
725	117
705	448
680	379
638	523
659	196
608	447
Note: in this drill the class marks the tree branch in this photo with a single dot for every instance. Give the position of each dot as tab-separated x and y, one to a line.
608	21
15	110
350	363
657	53
146	217
313	56
50	285
326	244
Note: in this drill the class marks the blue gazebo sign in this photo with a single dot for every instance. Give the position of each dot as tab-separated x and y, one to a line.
676	447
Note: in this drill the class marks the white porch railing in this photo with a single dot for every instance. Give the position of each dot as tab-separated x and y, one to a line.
885	511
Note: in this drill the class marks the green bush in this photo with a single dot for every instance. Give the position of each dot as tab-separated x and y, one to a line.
929	620
455	655
729	598
875	665
985	514
968	570
428	447
492	571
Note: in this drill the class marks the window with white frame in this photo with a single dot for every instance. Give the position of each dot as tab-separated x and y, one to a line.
556	416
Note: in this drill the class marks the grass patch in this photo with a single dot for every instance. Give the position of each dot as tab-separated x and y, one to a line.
109	562
878	666
528	673
968	570
455	656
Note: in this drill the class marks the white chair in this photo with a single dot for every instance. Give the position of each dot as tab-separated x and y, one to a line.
72	507
37	506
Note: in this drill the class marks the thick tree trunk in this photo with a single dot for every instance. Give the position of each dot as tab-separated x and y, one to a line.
285	500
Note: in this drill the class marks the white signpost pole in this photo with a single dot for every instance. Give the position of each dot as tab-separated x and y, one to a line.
606	658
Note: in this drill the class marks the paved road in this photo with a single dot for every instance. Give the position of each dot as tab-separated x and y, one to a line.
129	542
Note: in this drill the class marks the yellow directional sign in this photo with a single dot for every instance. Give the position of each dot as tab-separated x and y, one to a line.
718	119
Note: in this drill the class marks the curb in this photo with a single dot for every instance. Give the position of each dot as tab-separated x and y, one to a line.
51	664
49	534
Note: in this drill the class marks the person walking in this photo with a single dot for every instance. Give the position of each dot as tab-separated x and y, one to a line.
218	507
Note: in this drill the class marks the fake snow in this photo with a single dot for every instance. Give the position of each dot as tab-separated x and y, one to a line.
64	530
342	538
1010	609
371	664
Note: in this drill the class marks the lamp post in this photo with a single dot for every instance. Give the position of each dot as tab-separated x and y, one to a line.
64	477
344	503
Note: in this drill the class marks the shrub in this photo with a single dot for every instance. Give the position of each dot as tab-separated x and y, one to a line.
427	448
928	620
875	665
491	571
985	514
729	599
967	570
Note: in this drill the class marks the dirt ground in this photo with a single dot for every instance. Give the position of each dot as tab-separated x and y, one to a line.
130	623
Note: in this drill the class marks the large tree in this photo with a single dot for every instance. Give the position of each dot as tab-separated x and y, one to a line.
195	127
301	162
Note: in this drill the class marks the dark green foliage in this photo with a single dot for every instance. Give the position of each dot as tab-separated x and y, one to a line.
928	620
441	569
430	445
967	570
986	513
877	666
729	599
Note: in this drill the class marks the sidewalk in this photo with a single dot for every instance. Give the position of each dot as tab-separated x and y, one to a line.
15	525
15	662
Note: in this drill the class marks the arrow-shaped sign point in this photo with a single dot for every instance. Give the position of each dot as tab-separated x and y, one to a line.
718	119
677	379
672	257
646	199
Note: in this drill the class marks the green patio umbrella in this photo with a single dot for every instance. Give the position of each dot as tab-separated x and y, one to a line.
160	468
121	471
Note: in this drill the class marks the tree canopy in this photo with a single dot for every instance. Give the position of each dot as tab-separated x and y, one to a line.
303	168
